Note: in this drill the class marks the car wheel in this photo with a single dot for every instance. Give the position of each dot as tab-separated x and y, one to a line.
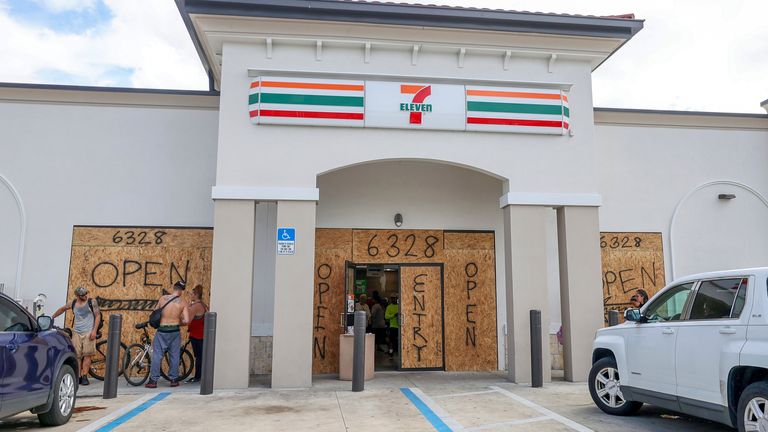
63	399
605	389
753	408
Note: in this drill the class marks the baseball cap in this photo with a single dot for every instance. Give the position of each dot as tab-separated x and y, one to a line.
81	291
181	285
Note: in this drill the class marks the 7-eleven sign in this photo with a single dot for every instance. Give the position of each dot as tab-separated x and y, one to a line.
416	107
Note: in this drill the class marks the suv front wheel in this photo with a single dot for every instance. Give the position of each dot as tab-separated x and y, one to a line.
753	408
605	389
64	389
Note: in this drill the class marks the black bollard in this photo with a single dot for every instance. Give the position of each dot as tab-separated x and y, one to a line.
113	356
613	318
537	370
209	349
358	353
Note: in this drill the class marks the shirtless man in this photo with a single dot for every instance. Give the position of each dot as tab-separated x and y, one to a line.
168	338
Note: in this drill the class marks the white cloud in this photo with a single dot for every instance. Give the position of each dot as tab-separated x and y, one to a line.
147	36
57	6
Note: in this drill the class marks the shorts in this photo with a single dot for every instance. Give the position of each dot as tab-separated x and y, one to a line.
84	346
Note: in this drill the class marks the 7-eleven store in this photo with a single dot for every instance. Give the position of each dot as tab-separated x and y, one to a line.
433	155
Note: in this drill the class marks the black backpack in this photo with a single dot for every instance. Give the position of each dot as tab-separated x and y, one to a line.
101	317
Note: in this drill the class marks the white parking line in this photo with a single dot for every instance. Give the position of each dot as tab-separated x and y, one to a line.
464	394
507	423
438	410
117	414
552	415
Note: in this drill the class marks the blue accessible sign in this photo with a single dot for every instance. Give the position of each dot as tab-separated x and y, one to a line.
286	241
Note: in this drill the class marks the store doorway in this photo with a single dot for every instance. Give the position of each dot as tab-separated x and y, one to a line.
404	305
375	288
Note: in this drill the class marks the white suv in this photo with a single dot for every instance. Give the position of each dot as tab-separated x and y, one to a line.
699	346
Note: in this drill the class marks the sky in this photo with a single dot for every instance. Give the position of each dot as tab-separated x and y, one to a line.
692	55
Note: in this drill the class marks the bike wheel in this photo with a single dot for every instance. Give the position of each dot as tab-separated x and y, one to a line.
136	365
186	364
99	360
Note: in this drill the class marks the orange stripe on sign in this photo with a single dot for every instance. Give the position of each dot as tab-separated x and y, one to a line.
565	98
410	89
316	86
513	94
255	84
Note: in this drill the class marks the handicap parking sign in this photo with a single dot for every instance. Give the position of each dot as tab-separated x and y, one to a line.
286	241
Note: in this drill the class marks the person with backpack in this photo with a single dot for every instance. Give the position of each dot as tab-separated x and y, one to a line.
86	324
171	312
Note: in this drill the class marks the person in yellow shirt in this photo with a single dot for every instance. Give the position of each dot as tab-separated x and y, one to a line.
392	314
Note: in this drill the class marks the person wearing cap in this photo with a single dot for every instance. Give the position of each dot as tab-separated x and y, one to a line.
85	323
168	338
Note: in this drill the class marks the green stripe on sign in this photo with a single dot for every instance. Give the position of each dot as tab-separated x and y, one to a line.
253	99
295	99
516	108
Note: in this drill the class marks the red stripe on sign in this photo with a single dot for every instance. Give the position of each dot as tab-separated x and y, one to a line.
309	114
514	122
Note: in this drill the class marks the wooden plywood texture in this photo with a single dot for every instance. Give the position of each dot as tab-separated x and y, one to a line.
397	246
421	317
469	240
127	269
630	261
333	248
470	303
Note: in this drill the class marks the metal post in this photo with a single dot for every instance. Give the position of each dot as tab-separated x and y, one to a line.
537	373
209	348
113	356
613	318
358	352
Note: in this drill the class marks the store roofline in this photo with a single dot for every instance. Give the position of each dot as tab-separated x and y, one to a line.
108	89
684	113
414	15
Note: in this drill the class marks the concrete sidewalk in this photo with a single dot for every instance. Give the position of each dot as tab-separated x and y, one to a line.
393	401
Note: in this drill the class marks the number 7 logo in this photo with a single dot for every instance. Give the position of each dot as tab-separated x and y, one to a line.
420	93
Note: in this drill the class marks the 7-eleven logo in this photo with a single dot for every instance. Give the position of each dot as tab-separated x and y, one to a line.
417	106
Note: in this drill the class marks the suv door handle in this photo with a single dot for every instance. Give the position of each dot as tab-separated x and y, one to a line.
668	331
727	330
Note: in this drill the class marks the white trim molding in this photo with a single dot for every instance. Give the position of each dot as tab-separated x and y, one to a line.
686	197
22	234
551	199
265	193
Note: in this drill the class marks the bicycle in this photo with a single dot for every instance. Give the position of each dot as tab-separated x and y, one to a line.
137	361
99	360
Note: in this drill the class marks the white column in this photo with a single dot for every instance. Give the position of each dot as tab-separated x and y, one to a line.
525	246
581	294
294	278
231	287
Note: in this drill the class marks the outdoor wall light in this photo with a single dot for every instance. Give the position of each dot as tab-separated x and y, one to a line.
726	196
398	220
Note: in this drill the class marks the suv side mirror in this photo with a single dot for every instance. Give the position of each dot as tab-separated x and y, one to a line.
632	315
44	322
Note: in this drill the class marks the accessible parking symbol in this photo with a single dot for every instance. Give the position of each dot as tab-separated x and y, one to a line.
286	241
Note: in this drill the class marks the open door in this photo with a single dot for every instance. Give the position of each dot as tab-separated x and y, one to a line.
349	298
421	317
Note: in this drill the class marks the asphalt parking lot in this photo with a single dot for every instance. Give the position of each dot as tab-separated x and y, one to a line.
424	401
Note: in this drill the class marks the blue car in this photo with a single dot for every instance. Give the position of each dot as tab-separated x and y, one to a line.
38	367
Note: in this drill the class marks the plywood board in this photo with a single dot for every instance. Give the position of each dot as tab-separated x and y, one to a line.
127	269
630	261
333	248
421	317
471	342
467	240
397	246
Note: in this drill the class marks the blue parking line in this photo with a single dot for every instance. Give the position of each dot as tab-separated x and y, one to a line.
133	413
430	415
